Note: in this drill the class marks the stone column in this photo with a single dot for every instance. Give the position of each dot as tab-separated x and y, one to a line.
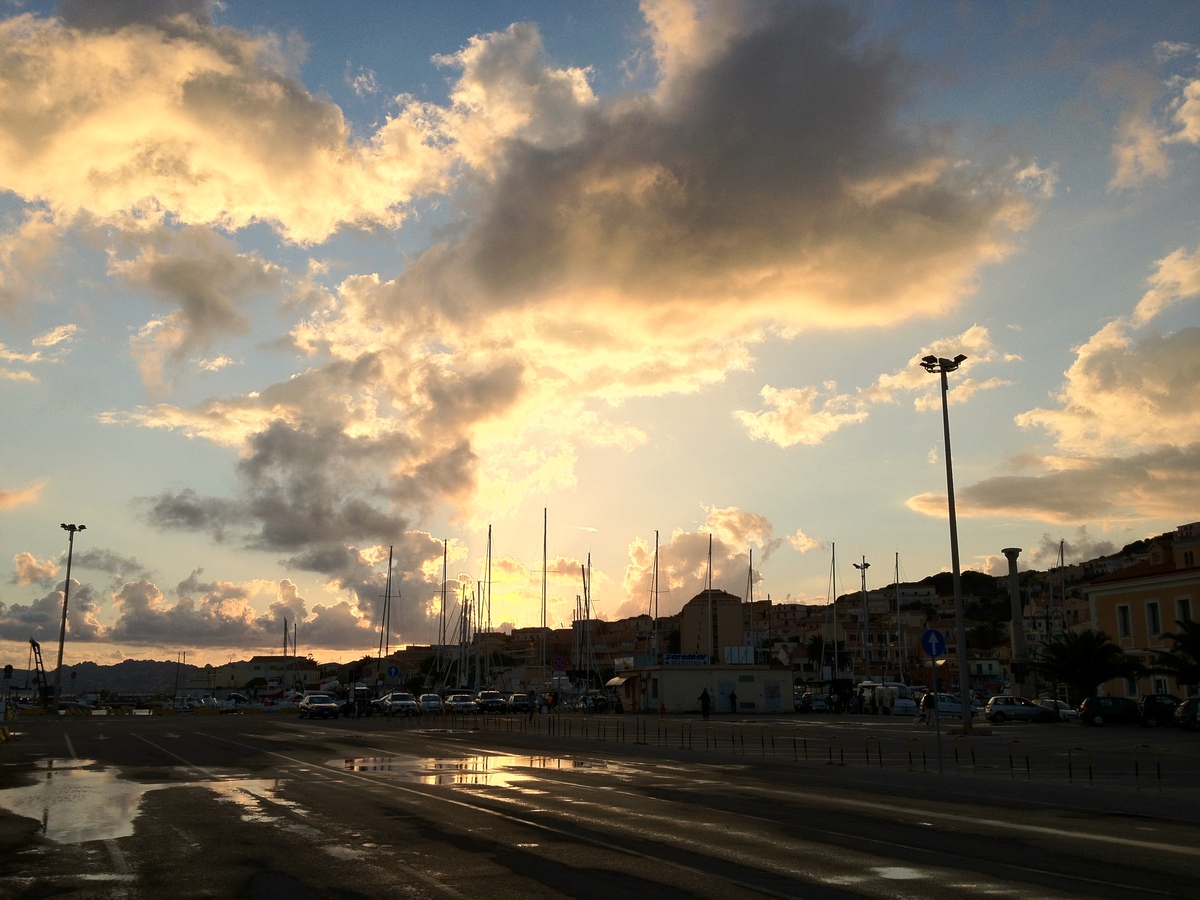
1020	664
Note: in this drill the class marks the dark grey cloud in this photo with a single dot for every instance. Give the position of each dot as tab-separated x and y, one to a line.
42	618
117	566
1094	490
107	15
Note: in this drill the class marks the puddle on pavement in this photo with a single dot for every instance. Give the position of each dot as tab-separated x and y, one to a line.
77	802
490	770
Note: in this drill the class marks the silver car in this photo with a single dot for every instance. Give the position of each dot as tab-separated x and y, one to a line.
1001	709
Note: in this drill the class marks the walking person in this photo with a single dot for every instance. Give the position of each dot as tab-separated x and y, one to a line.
733	702
705	703
533	699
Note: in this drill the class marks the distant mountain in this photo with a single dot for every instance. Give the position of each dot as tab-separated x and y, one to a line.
130	676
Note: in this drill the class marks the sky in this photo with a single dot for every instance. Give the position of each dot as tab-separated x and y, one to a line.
287	287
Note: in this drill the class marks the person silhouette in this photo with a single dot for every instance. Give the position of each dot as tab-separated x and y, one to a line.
705	703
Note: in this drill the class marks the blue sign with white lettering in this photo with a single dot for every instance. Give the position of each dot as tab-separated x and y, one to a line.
933	642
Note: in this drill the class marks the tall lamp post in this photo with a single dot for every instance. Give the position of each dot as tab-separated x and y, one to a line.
862	567
62	631
940	367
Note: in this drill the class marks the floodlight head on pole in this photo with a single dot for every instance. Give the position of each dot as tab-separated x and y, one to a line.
937	364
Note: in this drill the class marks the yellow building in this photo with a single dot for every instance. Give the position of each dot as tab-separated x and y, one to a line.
1139	604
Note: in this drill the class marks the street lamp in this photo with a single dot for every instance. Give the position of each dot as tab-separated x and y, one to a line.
62	631
940	367
862	567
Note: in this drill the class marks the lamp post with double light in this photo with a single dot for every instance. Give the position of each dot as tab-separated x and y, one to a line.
862	568
940	366
62	631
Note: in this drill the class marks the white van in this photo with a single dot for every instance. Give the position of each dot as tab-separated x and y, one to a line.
891	698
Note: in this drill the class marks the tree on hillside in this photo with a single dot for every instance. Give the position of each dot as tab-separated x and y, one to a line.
987	636
1182	660
822	652
1083	661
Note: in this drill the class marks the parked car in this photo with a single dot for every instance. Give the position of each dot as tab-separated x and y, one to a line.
1105	710
431	703
518	703
461	703
812	702
1158	709
490	701
398	703
1066	712
319	706
949	706
1185	713
1002	708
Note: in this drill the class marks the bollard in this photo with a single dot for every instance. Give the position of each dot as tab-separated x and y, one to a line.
602	731
619	731
737	737
664	734
1137	783
803	740
639	731
710	736
762	737
878	750
971	745
924	761
1011	769
841	750
1070	763
685	736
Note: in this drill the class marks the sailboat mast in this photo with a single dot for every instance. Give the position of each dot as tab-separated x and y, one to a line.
712	650
545	526
487	666
653	602
833	605
902	661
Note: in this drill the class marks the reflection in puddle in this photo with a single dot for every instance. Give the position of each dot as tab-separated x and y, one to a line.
77	803
497	770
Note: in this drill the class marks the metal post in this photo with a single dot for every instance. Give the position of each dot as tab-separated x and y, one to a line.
862	567
942	366
62	631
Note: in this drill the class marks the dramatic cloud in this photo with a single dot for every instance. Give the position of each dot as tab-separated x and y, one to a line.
1093	489
1081	546
1148	127
794	416
41	619
684	562
28	569
210	281
215	127
25	254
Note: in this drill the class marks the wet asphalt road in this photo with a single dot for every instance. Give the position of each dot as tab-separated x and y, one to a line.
269	806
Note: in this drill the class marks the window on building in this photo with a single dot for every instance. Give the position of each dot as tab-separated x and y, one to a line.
1189	558
1183	609
1131	689
1160	684
1124	623
1153	619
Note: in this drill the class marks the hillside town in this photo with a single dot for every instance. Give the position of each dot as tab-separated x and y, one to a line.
773	653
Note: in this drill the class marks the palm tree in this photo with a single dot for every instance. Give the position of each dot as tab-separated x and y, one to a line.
1085	660
824	652
1183	659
